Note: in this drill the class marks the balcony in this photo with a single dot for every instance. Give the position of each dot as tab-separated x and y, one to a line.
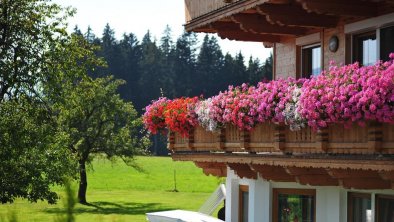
272	138
356	157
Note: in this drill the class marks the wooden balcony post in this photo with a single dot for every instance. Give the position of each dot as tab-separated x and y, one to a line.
171	140
322	140
244	140
190	140
220	139
279	137
375	137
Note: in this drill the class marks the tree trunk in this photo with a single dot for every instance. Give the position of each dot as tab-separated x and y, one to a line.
83	183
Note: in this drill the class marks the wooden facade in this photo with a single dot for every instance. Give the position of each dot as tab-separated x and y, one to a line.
355	157
272	138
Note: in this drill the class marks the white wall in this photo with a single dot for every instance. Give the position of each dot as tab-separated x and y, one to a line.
331	202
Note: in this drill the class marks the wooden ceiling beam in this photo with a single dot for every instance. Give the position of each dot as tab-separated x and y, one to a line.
365	183
341	7
243	170
274	173
317	180
297	171
258	24
248	37
346	173
295	15
233	31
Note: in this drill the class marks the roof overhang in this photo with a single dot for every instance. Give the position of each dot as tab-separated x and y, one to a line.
348	171
276	20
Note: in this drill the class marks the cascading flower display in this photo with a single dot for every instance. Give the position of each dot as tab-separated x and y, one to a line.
272	98
180	115
349	94
153	117
236	106
341	95
204	115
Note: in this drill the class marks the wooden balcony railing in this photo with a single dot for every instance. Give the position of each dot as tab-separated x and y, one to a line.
197	8
375	138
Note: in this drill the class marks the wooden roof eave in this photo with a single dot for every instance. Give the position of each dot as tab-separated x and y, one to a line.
221	13
374	173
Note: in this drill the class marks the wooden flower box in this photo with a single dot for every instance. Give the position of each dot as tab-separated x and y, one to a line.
375	138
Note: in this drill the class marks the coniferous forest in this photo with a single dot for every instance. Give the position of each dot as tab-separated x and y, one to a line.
171	67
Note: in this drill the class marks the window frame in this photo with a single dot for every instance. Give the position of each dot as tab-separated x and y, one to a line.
374	24
242	189
301	60
290	191
377	207
354	45
350	195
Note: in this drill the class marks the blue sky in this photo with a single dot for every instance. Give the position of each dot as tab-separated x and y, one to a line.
138	16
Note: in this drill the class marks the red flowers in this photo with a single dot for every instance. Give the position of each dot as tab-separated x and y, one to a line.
153	117
180	116
176	115
340	95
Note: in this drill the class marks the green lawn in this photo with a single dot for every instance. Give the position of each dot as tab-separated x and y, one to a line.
117	192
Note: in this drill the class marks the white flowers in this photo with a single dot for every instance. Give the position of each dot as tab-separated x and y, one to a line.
205	119
291	113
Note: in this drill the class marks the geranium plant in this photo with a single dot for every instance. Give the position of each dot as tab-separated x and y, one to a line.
180	115
153	117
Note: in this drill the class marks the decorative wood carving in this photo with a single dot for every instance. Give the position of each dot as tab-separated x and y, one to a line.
213	168
220	139
279	137
244	140
243	170
375	137
321	143
258	24
273	173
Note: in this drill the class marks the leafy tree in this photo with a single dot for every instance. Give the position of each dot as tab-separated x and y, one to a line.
25	34
30	160
32	37
96	121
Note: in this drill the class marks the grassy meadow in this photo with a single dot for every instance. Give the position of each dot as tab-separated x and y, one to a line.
117	192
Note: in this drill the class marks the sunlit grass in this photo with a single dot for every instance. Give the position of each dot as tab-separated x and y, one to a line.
117	192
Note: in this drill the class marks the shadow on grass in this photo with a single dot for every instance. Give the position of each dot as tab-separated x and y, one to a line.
121	208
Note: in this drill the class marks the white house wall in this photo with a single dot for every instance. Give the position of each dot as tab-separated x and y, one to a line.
331	202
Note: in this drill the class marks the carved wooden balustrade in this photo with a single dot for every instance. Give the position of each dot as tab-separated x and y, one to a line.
375	138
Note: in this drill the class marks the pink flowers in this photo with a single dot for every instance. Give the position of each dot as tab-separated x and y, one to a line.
349	94
341	95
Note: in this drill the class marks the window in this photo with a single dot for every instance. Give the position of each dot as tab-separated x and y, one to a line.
365	48
359	207
386	42
294	205
243	203
384	208
371	46
311	61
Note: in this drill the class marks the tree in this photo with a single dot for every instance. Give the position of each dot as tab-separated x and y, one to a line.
185	64
209	66
267	69
32	39
30	160
97	121
254	71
